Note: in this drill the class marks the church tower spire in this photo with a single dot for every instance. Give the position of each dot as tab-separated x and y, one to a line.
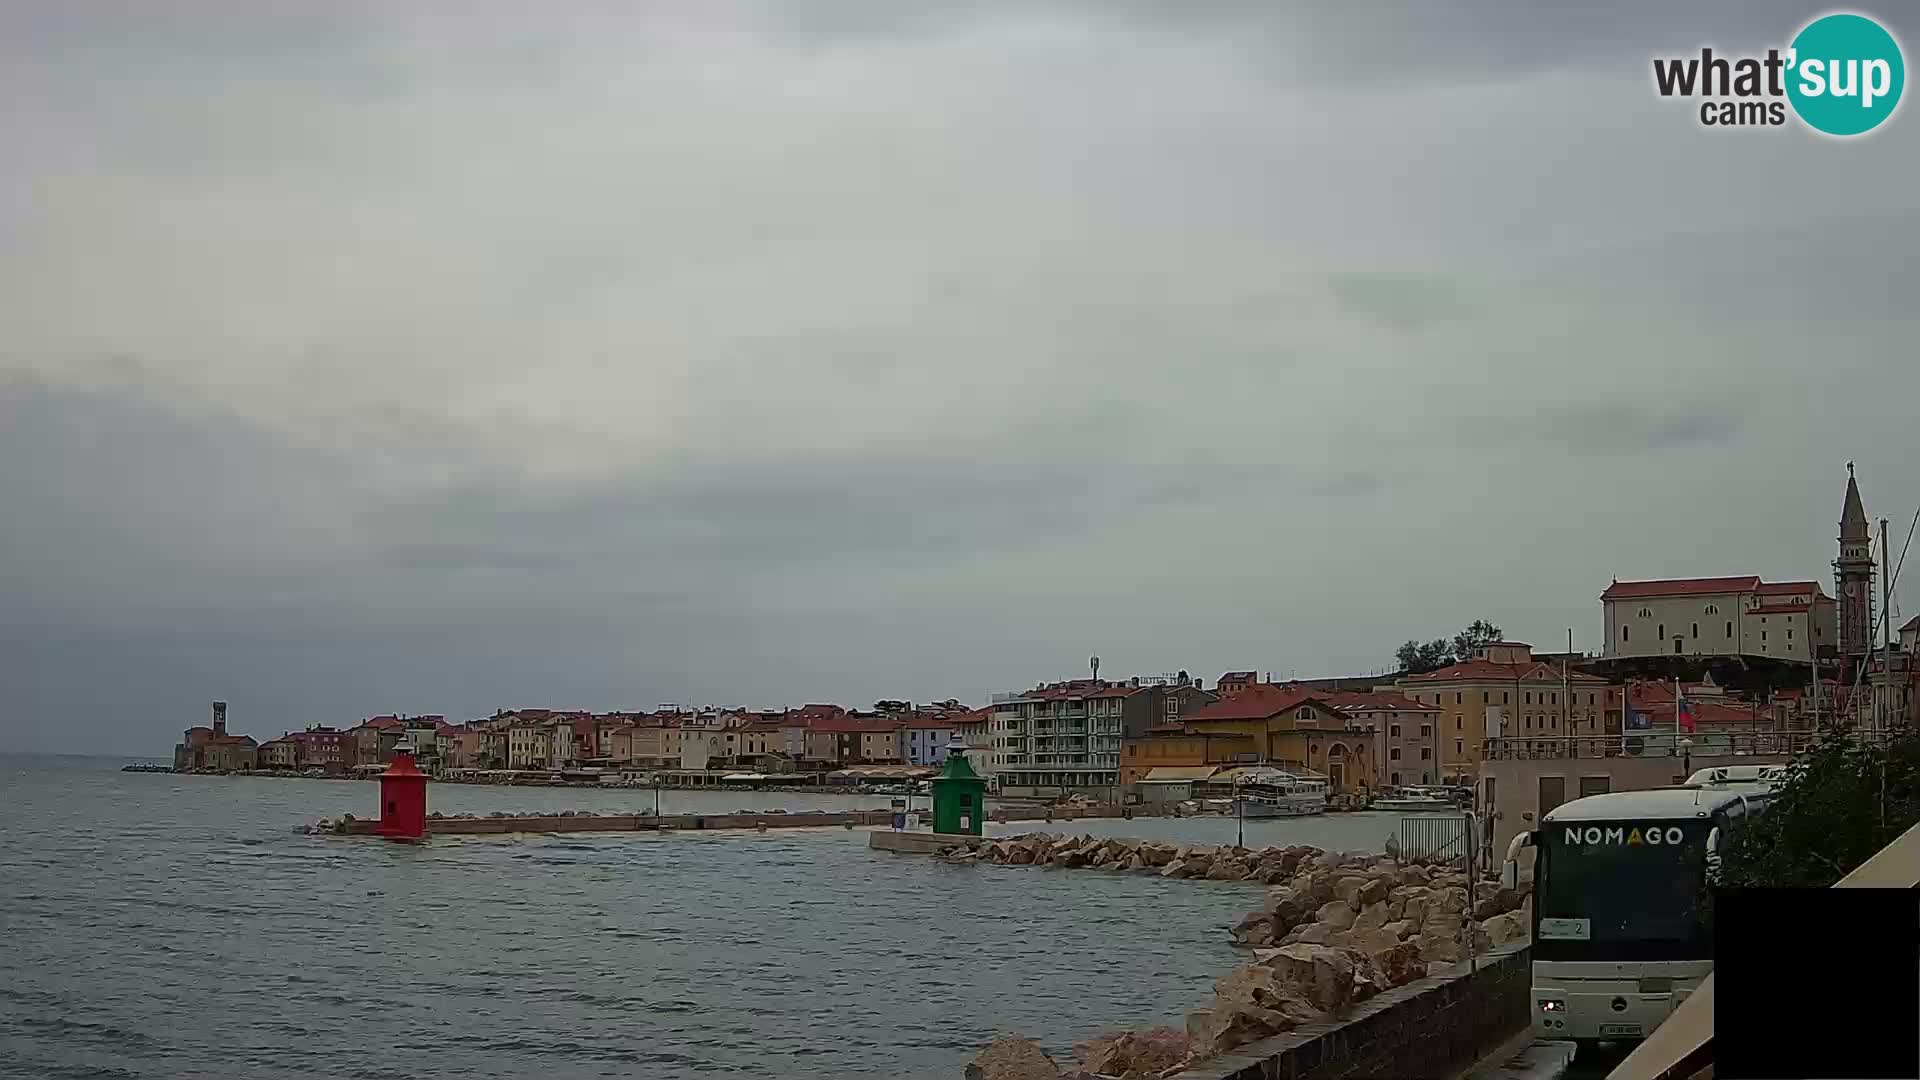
1853	575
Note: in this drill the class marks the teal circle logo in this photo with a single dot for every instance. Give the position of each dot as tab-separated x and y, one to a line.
1845	74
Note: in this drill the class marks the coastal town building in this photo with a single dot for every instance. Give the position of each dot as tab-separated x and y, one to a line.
1292	727
925	738
322	747
1721	616
1503	691
276	754
1406	739
210	747
1066	737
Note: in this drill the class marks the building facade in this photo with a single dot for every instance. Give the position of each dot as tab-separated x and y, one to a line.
1503	692
925	739
1725	616
1294	728
1405	733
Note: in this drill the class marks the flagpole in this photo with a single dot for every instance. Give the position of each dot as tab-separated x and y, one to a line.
1626	710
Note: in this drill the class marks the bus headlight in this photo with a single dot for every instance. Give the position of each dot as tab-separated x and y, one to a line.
1552	1005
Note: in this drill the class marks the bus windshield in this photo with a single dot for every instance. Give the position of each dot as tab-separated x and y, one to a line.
1620	890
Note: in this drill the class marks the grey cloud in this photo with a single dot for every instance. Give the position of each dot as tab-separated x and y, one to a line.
362	359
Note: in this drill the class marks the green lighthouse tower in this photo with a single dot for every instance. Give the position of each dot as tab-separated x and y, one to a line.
959	795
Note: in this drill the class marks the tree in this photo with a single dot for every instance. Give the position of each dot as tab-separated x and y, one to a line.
1417	659
1841	803
889	706
1478	634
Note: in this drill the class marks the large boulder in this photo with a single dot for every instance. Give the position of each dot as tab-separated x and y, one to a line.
1220	1029
1256	930
1443	947
1505	928
1452	900
1366	941
1156	854
1313	933
1012	1058
1020	856
1401	929
1414	874
1399	964
1375	890
1336	914
1135	1054
1499	902
1226	868
1371	917
1348	889
1175	870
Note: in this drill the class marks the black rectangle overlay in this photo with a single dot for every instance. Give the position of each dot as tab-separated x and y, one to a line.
1816	984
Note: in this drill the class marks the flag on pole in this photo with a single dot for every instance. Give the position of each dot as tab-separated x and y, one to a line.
1685	713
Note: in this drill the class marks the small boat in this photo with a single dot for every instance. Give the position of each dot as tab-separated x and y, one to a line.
1272	793
1417	800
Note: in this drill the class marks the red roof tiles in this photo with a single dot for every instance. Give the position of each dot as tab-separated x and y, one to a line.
1258	702
1628	590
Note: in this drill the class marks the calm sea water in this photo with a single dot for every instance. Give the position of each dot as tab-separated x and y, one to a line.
177	926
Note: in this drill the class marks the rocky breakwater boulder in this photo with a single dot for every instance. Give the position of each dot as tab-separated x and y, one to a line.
1298	984
1156	1052
1011	1057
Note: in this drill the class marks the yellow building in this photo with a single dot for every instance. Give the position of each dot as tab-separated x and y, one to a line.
1504	692
1291	727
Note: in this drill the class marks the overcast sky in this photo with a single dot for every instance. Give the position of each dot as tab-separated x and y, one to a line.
439	358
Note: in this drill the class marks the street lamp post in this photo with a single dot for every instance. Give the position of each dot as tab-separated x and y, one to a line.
1240	814
1686	757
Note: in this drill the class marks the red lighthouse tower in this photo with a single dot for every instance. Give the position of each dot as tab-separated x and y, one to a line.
403	799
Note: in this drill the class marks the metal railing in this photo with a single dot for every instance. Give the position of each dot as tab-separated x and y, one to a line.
1435	838
1649	744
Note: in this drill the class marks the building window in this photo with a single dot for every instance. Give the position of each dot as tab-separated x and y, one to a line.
1457	699
1529	697
1663	631
1789	633
1503	697
1625	633
1713	609
1426	753
1394	779
1646	613
1426	731
1459	747
1393	730
1696	629
1393	754
1763	635
1729	629
1456	723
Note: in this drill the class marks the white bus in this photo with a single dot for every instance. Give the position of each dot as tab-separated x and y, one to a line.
1622	932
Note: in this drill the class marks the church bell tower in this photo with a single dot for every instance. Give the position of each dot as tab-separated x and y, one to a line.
1853	577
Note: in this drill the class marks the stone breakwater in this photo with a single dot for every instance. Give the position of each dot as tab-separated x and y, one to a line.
1333	931
588	821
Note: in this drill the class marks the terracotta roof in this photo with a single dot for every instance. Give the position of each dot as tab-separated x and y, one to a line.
1625	590
1910	625
1257	702
923	723
1782	609
848	725
200	729
761	729
1790	588
1488	671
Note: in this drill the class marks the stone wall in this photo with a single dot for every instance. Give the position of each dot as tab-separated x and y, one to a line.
1436	1026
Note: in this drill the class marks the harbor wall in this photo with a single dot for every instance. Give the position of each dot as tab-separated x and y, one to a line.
1436	1026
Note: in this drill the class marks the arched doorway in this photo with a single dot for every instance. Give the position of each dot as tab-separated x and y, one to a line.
1337	767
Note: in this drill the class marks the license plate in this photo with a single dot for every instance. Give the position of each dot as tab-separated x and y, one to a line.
1619	1029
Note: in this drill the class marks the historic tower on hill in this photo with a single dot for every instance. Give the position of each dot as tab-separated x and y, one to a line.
1853	577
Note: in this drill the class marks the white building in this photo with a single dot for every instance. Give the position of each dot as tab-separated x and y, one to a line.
1724	616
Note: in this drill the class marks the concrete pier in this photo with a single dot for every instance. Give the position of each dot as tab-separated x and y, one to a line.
579	823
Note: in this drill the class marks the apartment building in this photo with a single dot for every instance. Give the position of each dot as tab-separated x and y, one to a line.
1067	737
1405	733
1504	692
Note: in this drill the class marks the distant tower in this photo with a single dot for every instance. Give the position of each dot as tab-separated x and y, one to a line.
1853	577
1094	661
219	719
